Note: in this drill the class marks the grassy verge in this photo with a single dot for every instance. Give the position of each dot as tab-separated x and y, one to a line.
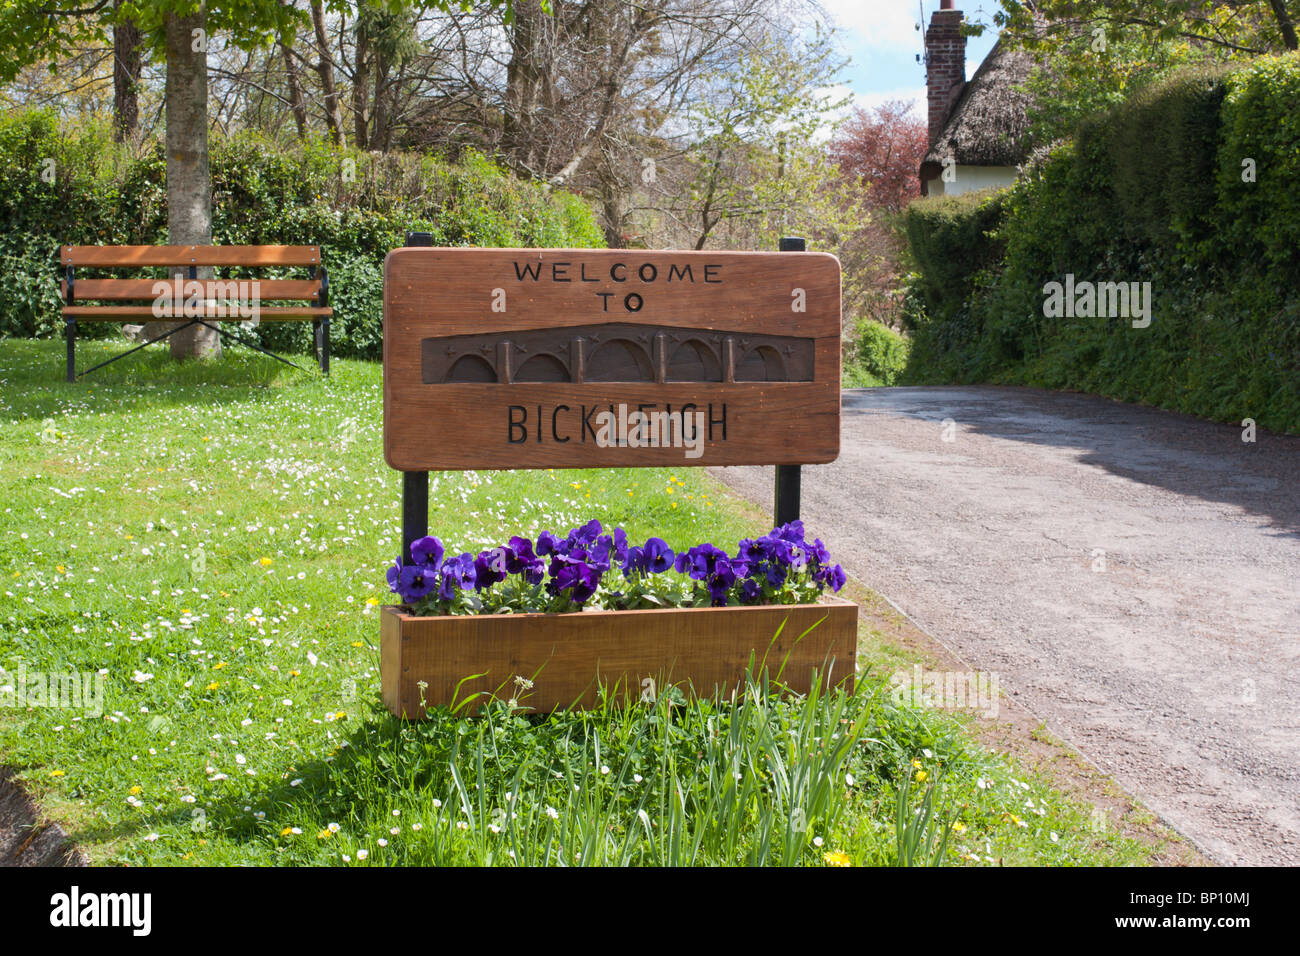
211	541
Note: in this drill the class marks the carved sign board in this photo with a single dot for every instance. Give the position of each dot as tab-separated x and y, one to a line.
577	358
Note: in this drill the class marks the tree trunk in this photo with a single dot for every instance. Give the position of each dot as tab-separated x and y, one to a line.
381	121
1284	23
361	87
325	70
524	79
297	104
126	82
613	206
189	182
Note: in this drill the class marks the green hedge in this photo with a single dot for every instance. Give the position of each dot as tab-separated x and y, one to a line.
877	356
951	239
262	194
1151	192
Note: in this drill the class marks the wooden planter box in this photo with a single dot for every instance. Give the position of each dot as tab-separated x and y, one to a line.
570	656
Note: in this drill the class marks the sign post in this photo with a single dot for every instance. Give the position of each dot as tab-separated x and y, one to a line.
581	358
785	508
608	358
415	484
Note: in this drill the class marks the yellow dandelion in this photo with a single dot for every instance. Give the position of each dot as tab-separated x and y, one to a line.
294	673
921	775
358	644
217	666
60	568
916	764
286	831
959	827
324	835
837	858
372	601
266	562
136	791
56	773
214	685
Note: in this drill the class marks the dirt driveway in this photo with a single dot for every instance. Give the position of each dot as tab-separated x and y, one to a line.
1132	575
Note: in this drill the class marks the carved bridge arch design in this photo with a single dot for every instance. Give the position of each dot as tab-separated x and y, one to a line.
615	352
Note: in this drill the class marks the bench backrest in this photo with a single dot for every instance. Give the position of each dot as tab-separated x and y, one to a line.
130	257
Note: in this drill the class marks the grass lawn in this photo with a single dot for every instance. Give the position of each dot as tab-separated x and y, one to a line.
212	541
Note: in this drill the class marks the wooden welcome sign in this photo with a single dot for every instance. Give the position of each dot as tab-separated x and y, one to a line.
574	358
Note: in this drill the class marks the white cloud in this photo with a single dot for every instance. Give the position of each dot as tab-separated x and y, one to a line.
877	23
908	94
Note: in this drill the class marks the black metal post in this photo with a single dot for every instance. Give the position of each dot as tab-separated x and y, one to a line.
415	484
786	506
415	510
323	325
70	326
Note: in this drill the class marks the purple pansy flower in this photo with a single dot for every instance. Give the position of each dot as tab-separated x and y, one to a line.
411	581
427	550
657	557
455	573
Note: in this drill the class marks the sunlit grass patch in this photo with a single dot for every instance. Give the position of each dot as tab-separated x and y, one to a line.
211	541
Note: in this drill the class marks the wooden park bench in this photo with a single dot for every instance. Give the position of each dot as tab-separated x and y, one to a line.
189	300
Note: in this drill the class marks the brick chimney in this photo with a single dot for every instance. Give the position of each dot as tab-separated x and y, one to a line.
945	65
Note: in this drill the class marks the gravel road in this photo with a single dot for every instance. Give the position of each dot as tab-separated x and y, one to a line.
1131	575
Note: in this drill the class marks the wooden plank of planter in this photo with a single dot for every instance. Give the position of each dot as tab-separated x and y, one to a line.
504	358
569	656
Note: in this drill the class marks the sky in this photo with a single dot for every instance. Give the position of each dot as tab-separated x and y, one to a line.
882	42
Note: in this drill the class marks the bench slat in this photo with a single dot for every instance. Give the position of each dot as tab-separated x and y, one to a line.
115	313
118	290
130	256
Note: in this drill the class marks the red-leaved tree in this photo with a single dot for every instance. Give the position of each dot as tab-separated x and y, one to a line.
882	149
878	151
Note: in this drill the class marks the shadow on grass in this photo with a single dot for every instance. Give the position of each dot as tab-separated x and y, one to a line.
345	787
33	377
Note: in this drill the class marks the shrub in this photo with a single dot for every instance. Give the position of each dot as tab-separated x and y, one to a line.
356	205
1154	192
1161	146
951	239
1261	219
878	356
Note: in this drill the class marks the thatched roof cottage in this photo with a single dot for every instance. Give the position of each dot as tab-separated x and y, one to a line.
977	128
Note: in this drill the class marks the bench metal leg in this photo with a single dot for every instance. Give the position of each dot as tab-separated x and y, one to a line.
70	327
325	346
248	342
322	338
156	338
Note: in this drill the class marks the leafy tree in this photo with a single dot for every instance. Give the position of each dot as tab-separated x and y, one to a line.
1239	26
878	153
1094	55
179	31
